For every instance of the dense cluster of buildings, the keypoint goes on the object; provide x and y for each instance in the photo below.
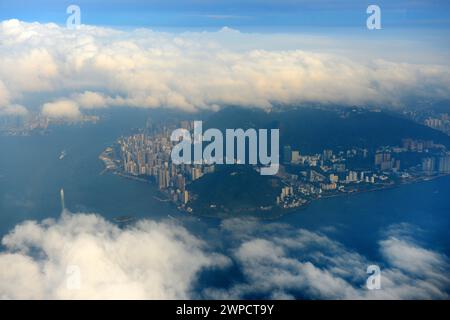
(440, 122)
(433, 165)
(431, 118)
(357, 169)
(21, 125)
(36, 123)
(311, 176)
(304, 177)
(149, 155)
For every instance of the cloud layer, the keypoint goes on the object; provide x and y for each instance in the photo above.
(97, 67)
(148, 261)
(281, 262)
(161, 260)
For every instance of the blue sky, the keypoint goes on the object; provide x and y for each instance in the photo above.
(251, 14)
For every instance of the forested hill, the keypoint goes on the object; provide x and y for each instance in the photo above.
(312, 130)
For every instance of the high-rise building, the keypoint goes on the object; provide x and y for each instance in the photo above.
(352, 176)
(397, 165)
(334, 178)
(327, 155)
(378, 158)
(181, 183)
(433, 123)
(196, 173)
(428, 165)
(287, 154)
(166, 177)
(161, 179)
(295, 157)
(384, 160)
(444, 164)
(185, 196)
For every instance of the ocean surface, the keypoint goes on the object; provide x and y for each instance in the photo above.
(31, 176)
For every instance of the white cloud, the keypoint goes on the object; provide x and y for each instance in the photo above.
(91, 100)
(410, 257)
(161, 260)
(61, 109)
(6, 108)
(14, 110)
(283, 262)
(147, 261)
(4, 95)
(99, 67)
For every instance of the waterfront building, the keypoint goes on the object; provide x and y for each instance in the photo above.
(428, 165)
(444, 164)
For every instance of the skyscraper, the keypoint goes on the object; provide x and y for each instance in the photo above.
(444, 164)
(287, 154)
(327, 154)
(295, 156)
(428, 165)
(185, 197)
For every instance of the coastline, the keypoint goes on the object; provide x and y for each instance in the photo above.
(277, 212)
(392, 186)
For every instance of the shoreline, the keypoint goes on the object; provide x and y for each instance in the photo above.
(392, 186)
(310, 201)
(279, 212)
